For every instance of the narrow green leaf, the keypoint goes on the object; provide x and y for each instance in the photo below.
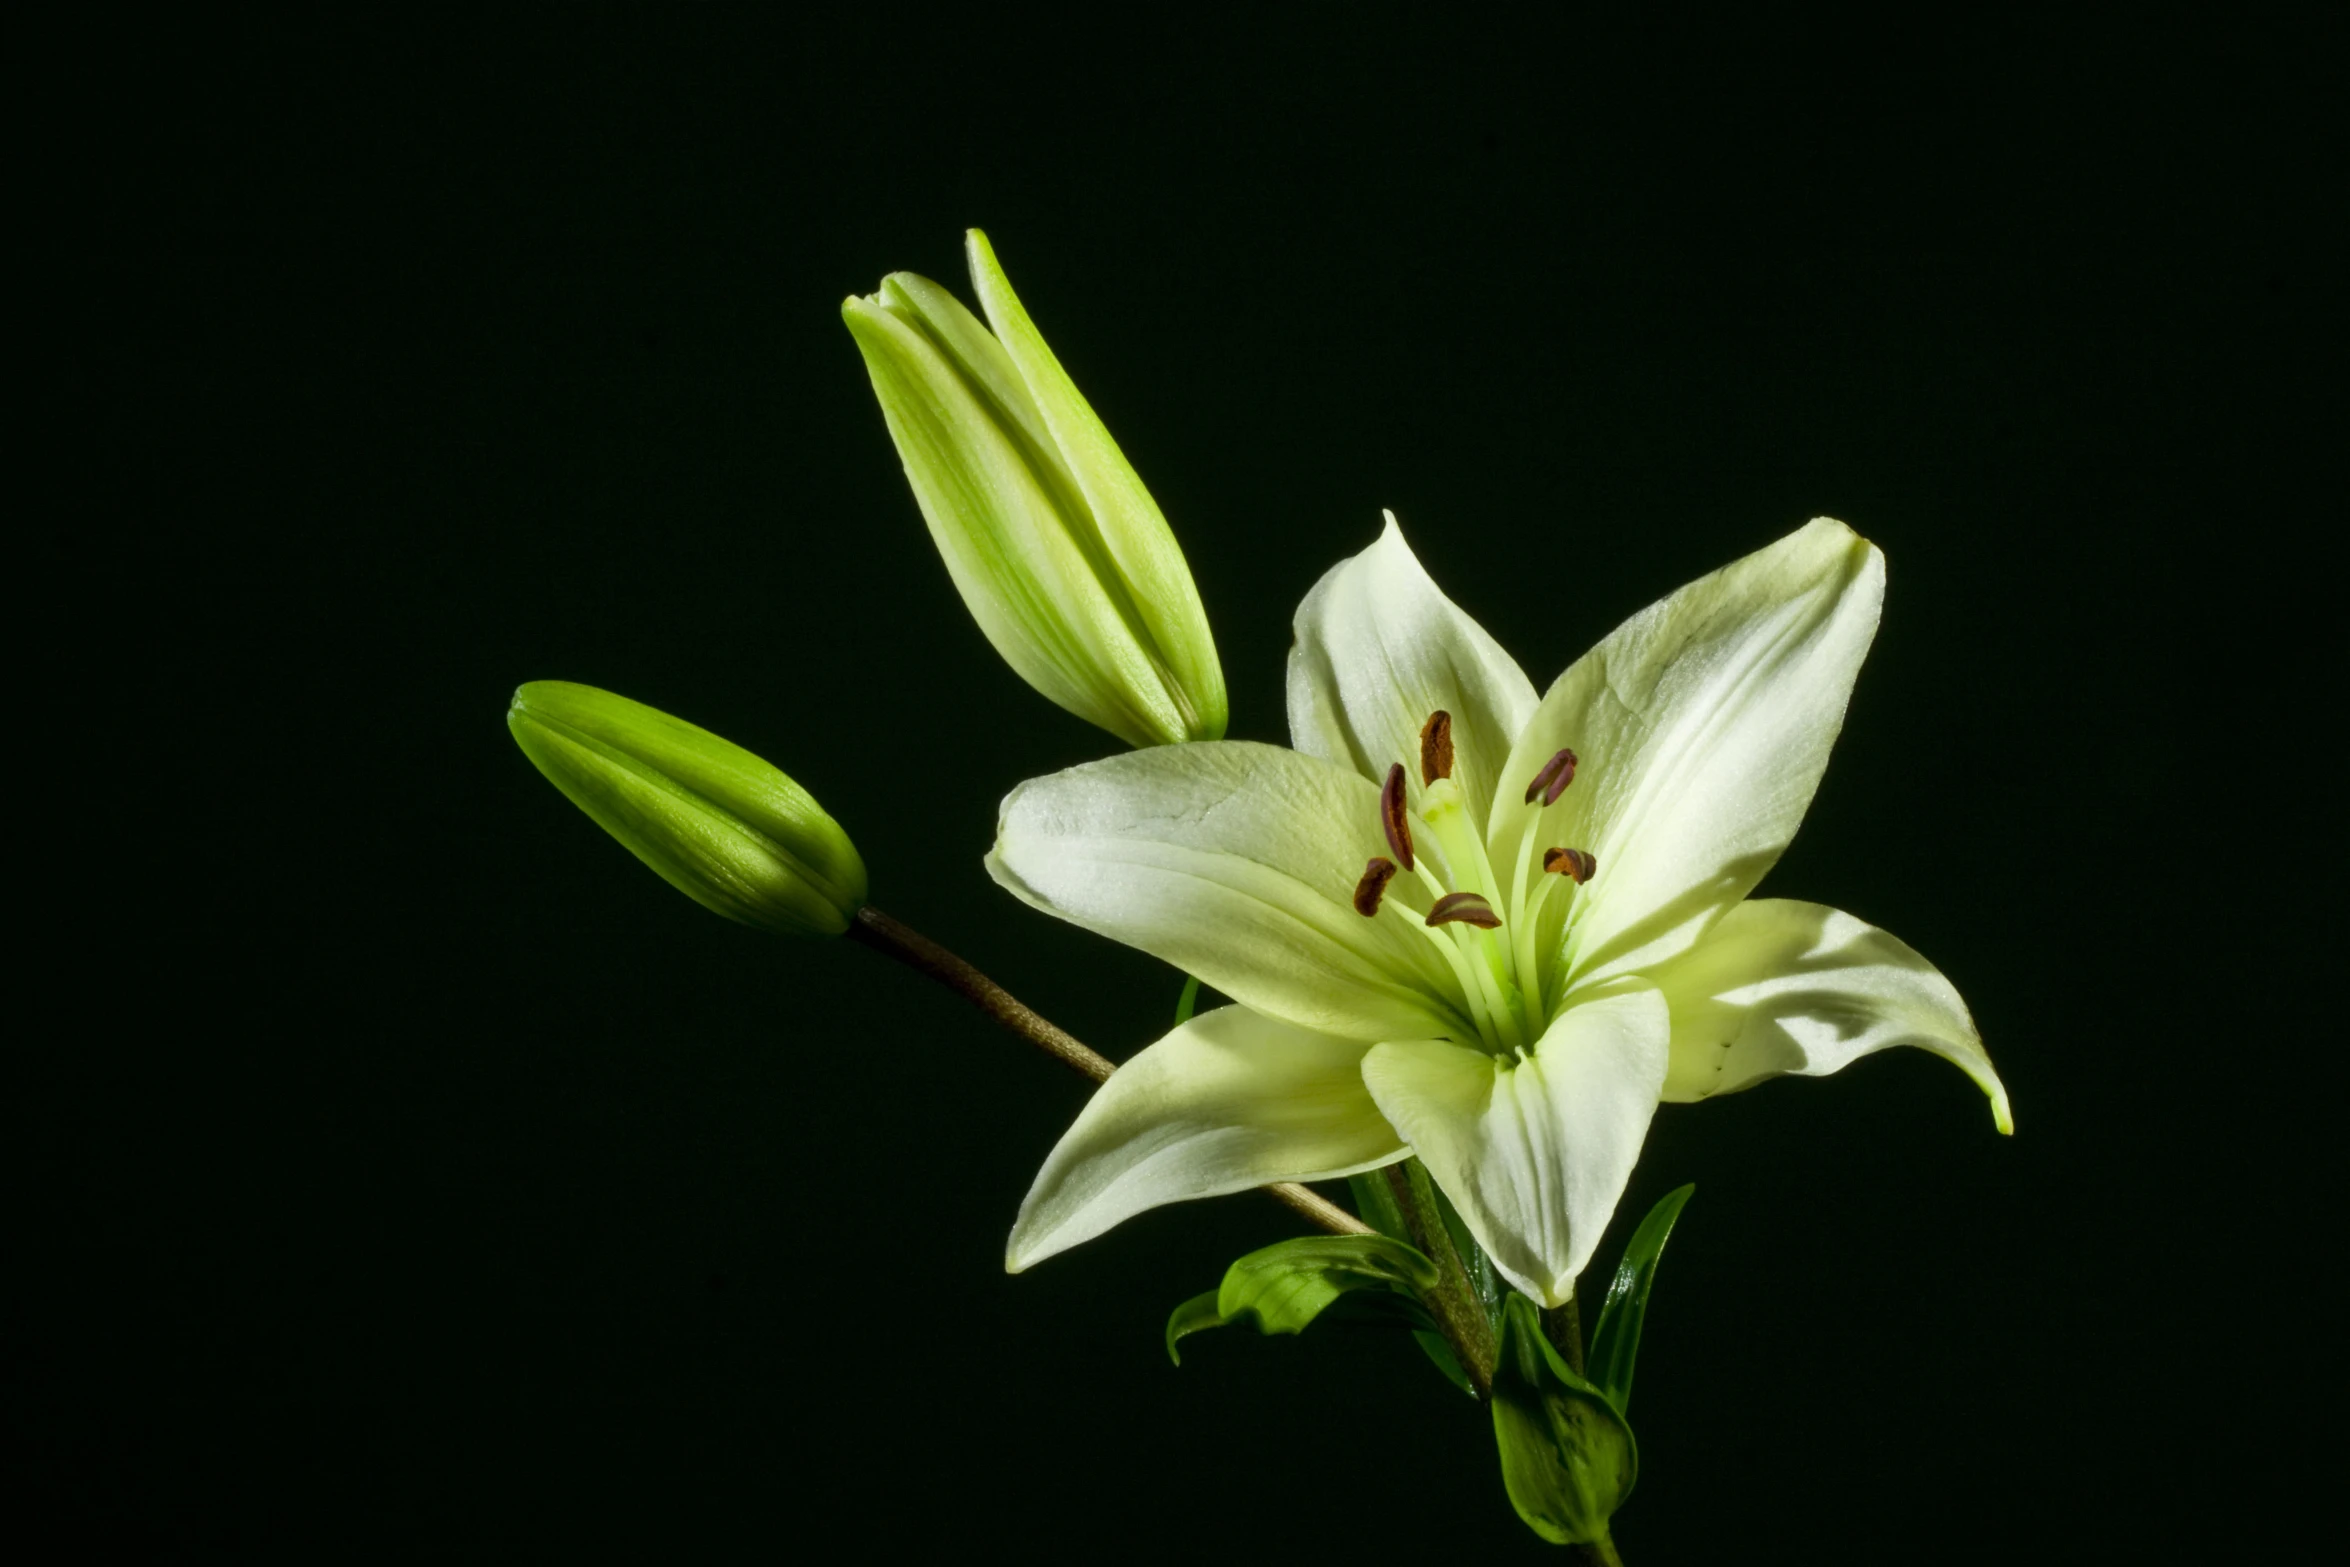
(1195, 1315)
(1616, 1342)
(1440, 1354)
(1568, 1458)
(1483, 1279)
(1189, 1001)
(1375, 1203)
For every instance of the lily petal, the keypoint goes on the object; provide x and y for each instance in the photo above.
(1229, 1100)
(1533, 1153)
(1780, 986)
(1379, 648)
(1235, 862)
(1703, 724)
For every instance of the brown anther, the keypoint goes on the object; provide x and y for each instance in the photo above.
(1436, 747)
(1552, 780)
(1373, 886)
(1576, 865)
(1464, 908)
(1392, 818)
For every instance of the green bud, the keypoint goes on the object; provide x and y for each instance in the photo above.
(718, 824)
(1059, 552)
(1568, 1458)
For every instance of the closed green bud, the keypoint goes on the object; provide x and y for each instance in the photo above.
(1058, 550)
(719, 824)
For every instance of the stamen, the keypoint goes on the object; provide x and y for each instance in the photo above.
(1577, 865)
(1436, 747)
(1391, 817)
(1373, 886)
(1464, 908)
(1552, 780)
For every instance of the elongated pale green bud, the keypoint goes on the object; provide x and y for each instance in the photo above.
(719, 824)
(1056, 547)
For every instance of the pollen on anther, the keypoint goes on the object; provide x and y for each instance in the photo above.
(1577, 865)
(1436, 747)
(1373, 886)
(1392, 819)
(1552, 780)
(1464, 908)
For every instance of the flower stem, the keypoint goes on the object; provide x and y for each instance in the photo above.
(1453, 1303)
(1563, 1326)
(872, 928)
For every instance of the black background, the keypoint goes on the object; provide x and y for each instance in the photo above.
(416, 1170)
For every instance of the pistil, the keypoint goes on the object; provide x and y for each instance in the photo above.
(1549, 783)
(1572, 866)
(1500, 977)
(1445, 814)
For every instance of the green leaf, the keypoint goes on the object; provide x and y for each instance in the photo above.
(1195, 1315)
(1568, 1458)
(1286, 1286)
(1616, 1342)
(1189, 1001)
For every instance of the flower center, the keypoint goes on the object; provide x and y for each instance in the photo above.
(1487, 935)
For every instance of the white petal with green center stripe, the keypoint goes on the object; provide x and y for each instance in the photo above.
(1379, 647)
(1533, 1150)
(1786, 987)
(1703, 724)
(1235, 862)
(1228, 1101)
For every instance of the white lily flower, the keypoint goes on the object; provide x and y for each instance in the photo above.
(1465, 923)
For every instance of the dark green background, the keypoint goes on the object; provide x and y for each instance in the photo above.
(417, 1170)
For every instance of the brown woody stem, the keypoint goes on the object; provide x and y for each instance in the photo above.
(872, 928)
